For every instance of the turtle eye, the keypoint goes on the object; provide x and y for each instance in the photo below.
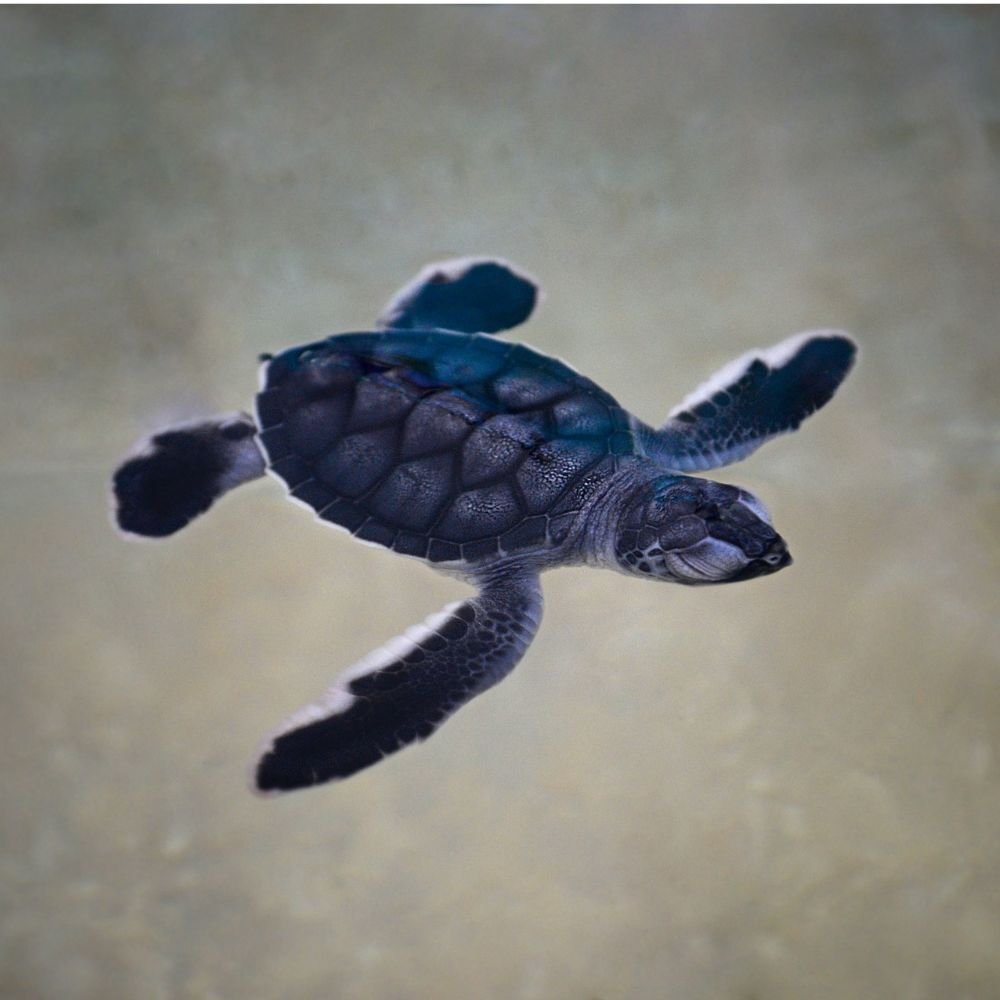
(750, 501)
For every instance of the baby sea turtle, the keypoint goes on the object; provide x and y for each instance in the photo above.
(491, 462)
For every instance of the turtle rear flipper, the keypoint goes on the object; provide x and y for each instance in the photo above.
(751, 400)
(467, 295)
(402, 692)
(180, 472)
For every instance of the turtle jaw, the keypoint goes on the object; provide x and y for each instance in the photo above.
(711, 561)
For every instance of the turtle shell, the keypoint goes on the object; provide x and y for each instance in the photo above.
(447, 446)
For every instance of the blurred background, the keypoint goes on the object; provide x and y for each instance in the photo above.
(781, 789)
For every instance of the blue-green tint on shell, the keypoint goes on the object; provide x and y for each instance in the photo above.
(438, 444)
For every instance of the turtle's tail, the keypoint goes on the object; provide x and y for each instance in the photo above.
(177, 474)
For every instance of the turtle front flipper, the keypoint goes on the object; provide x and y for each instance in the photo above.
(178, 473)
(751, 400)
(467, 295)
(402, 692)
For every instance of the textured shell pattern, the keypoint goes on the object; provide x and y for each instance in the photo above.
(446, 446)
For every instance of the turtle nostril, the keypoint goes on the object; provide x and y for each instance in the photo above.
(777, 554)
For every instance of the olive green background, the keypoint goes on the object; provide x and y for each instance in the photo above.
(776, 790)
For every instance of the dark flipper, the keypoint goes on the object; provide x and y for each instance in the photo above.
(468, 295)
(751, 400)
(402, 692)
(180, 472)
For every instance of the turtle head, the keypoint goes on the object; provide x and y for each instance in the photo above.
(695, 531)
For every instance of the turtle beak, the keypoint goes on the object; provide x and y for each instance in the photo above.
(776, 557)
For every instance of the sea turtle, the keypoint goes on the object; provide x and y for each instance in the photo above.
(490, 461)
